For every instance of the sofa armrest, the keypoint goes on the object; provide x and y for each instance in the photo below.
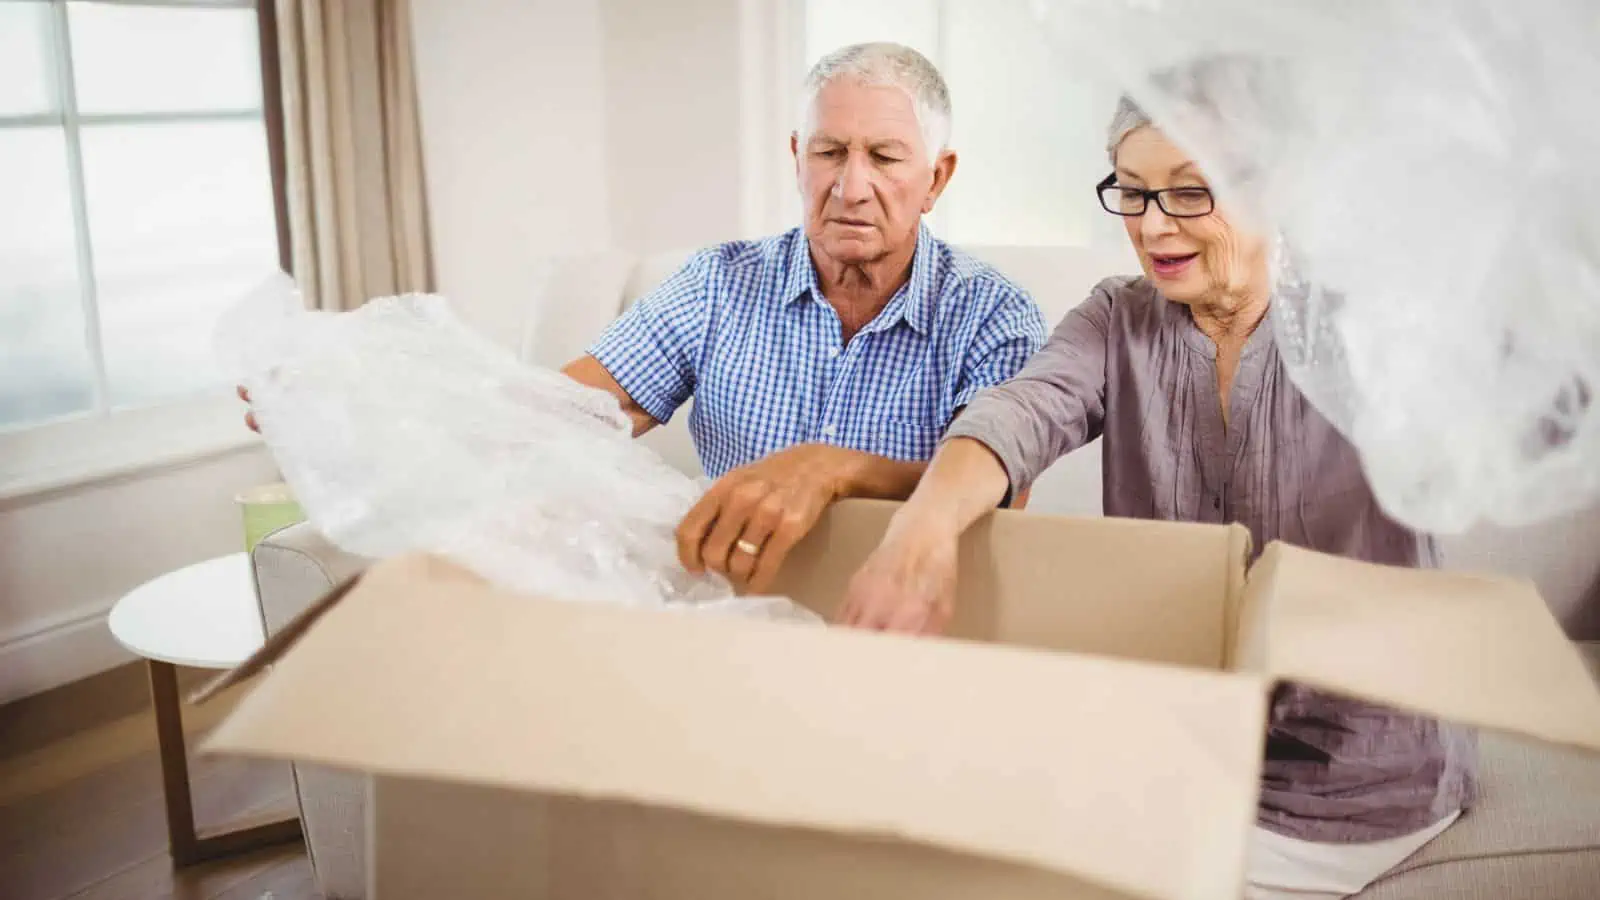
(294, 566)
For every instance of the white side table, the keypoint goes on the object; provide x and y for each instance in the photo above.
(205, 616)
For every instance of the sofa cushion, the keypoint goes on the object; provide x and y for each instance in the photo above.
(1058, 278)
(1534, 832)
(1537, 823)
(580, 296)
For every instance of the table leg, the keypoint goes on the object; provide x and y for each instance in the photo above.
(187, 845)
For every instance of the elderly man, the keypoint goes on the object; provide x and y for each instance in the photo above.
(826, 361)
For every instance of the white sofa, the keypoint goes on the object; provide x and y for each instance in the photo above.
(1536, 834)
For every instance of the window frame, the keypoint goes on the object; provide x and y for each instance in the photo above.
(64, 114)
(39, 460)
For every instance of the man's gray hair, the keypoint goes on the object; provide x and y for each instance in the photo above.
(894, 65)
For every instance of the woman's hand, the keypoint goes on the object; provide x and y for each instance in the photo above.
(908, 584)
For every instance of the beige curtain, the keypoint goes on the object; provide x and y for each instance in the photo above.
(353, 153)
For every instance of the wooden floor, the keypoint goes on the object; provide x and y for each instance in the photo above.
(81, 813)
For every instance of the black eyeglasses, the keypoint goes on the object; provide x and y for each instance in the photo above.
(1178, 202)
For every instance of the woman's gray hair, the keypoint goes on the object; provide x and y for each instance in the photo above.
(1238, 101)
(1128, 118)
(894, 65)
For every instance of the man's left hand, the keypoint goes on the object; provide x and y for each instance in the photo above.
(752, 517)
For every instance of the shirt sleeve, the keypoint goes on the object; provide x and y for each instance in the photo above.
(1009, 335)
(654, 348)
(1055, 405)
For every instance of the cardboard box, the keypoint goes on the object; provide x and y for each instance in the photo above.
(1094, 730)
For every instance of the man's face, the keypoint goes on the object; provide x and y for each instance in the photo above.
(864, 173)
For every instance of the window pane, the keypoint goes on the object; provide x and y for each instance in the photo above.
(24, 58)
(164, 59)
(44, 360)
(182, 224)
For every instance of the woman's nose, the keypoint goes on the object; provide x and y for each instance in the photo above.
(1155, 221)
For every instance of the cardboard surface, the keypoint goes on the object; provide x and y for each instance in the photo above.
(567, 749)
(1154, 591)
(1032, 757)
(566, 848)
(1470, 648)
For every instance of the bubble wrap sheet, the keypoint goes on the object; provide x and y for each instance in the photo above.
(1426, 169)
(400, 429)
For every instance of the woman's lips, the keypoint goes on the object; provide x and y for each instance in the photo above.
(1171, 266)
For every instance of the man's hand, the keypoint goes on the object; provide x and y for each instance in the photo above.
(752, 517)
(908, 584)
(249, 417)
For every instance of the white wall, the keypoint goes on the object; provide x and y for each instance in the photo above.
(673, 122)
(553, 126)
(67, 555)
(513, 113)
(559, 126)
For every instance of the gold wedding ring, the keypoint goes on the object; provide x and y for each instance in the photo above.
(747, 547)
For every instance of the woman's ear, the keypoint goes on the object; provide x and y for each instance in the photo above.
(943, 169)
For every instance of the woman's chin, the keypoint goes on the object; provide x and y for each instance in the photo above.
(1181, 289)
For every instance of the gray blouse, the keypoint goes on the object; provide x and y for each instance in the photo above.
(1131, 367)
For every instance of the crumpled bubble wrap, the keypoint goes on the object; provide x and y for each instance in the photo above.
(398, 429)
(1425, 168)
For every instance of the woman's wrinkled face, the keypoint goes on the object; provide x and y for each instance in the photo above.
(1190, 260)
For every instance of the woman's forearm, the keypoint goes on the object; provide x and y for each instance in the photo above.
(964, 481)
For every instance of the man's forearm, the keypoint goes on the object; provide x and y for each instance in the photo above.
(587, 371)
(880, 478)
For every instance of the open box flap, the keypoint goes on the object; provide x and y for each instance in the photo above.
(1474, 649)
(1141, 778)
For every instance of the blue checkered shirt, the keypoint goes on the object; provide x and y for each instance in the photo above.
(744, 330)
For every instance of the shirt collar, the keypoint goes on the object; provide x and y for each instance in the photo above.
(801, 281)
(914, 303)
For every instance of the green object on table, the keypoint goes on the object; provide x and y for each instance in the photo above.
(266, 509)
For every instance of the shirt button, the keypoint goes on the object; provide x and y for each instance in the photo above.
(833, 352)
(829, 430)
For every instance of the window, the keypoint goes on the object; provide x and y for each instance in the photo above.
(1029, 133)
(137, 199)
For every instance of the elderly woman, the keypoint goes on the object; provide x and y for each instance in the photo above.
(1177, 370)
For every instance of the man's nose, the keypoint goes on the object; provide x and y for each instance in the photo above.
(854, 184)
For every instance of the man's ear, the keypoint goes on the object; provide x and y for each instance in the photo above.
(794, 151)
(944, 168)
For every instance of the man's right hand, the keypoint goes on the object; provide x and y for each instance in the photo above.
(908, 584)
(249, 417)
